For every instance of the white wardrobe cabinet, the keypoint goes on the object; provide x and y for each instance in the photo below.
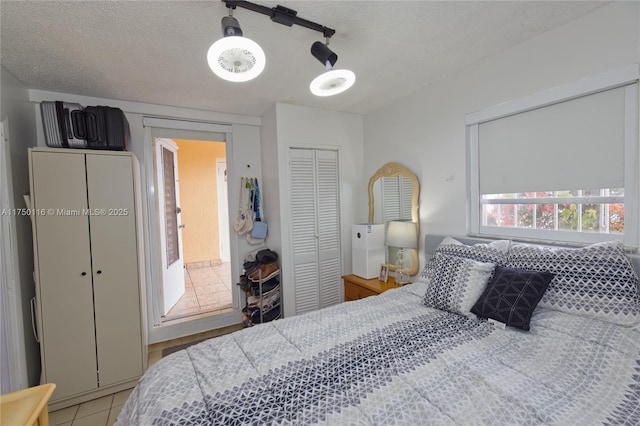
(87, 270)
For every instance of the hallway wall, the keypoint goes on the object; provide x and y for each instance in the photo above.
(199, 198)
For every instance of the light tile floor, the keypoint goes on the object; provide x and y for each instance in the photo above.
(98, 412)
(207, 289)
(104, 411)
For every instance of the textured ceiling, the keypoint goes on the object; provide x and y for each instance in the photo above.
(155, 51)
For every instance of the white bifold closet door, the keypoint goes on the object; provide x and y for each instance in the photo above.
(315, 211)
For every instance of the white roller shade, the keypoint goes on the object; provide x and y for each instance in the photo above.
(575, 144)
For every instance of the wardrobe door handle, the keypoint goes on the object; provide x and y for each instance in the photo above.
(99, 272)
(83, 274)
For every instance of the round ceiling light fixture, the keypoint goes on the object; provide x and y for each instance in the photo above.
(333, 81)
(234, 57)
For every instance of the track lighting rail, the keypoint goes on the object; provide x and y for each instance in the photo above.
(281, 15)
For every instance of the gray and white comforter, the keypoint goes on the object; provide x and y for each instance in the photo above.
(391, 360)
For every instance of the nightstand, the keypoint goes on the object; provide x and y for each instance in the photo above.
(358, 288)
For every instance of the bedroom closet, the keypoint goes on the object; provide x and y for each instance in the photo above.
(314, 196)
(86, 250)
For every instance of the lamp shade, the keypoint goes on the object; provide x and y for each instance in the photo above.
(401, 234)
(332, 82)
(236, 58)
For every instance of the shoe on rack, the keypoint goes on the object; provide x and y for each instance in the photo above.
(266, 256)
(250, 266)
(253, 301)
(244, 283)
(267, 286)
(265, 302)
(265, 272)
(267, 316)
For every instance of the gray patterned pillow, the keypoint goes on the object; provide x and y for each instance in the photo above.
(457, 283)
(597, 281)
(493, 252)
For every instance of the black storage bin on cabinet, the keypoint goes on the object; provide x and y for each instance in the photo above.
(63, 124)
(70, 125)
(107, 128)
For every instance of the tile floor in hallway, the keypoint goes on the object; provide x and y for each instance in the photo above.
(104, 411)
(207, 288)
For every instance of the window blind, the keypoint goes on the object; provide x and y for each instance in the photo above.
(575, 144)
(170, 206)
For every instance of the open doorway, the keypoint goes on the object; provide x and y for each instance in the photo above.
(194, 228)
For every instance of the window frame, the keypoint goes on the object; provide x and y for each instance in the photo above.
(627, 76)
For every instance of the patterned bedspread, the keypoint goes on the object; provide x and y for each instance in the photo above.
(391, 360)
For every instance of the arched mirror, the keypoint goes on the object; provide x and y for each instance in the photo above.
(393, 195)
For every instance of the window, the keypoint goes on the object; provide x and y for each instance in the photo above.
(559, 165)
(598, 210)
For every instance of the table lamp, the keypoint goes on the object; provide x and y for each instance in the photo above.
(403, 235)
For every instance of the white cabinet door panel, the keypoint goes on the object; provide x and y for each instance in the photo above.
(64, 268)
(115, 267)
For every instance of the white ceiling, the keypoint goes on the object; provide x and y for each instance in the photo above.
(155, 51)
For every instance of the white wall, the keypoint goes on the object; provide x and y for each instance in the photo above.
(294, 126)
(270, 187)
(16, 108)
(426, 131)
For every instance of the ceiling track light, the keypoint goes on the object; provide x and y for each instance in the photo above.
(237, 58)
(332, 81)
(234, 57)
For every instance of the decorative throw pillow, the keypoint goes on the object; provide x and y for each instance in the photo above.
(457, 283)
(493, 252)
(512, 295)
(597, 280)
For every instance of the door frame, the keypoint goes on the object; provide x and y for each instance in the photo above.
(197, 130)
(11, 304)
(223, 211)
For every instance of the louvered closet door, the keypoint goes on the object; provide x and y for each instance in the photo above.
(328, 194)
(315, 212)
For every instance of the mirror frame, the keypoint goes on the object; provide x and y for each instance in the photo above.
(392, 170)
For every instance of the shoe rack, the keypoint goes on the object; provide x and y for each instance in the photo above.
(261, 284)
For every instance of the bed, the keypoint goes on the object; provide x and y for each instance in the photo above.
(397, 359)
